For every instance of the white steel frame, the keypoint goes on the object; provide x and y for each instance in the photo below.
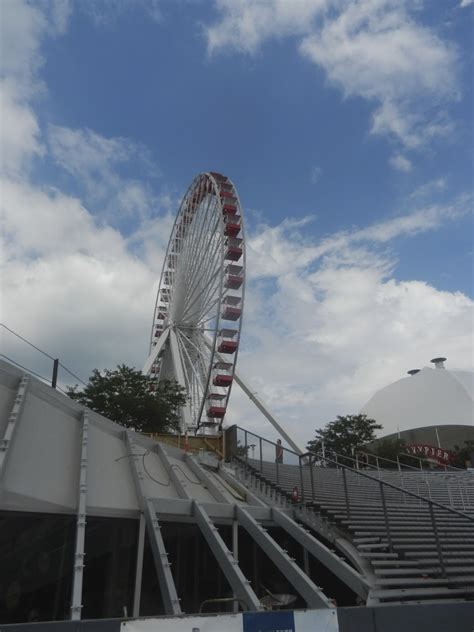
(190, 303)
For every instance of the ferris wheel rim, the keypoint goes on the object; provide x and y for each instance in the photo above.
(213, 188)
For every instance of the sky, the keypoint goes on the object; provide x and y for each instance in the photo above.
(347, 128)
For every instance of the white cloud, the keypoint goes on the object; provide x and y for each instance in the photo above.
(316, 173)
(106, 12)
(466, 3)
(245, 24)
(401, 163)
(337, 326)
(325, 325)
(19, 133)
(271, 248)
(373, 49)
(95, 162)
(429, 188)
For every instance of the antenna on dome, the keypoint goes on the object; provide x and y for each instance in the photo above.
(438, 362)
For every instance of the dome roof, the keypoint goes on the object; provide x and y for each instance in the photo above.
(428, 397)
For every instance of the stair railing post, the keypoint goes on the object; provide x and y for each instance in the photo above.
(261, 455)
(312, 479)
(277, 471)
(346, 493)
(398, 463)
(301, 478)
(438, 542)
(54, 379)
(246, 448)
(385, 515)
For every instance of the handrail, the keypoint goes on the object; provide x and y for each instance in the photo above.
(305, 455)
(305, 459)
(400, 489)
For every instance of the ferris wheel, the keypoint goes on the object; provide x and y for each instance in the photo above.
(198, 311)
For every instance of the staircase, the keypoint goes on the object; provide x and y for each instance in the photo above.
(416, 549)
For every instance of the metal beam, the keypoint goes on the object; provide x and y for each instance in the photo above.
(313, 596)
(160, 556)
(155, 352)
(179, 373)
(246, 494)
(229, 566)
(261, 407)
(212, 485)
(12, 423)
(180, 486)
(227, 563)
(341, 569)
(79, 553)
(137, 593)
(264, 410)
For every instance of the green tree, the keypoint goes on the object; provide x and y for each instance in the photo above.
(125, 396)
(461, 455)
(345, 435)
(389, 449)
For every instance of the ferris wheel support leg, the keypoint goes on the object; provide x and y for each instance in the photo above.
(186, 417)
(268, 415)
(155, 351)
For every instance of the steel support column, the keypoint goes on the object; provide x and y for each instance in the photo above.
(178, 371)
(160, 556)
(13, 420)
(155, 352)
(79, 553)
(264, 410)
(313, 596)
(341, 569)
(227, 563)
(137, 593)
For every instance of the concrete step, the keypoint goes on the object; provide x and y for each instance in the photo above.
(464, 580)
(428, 591)
(417, 571)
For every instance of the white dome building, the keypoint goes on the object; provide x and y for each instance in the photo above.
(432, 407)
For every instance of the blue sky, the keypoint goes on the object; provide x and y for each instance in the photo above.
(347, 129)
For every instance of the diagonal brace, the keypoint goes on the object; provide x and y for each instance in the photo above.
(160, 556)
(341, 569)
(313, 596)
(229, 566)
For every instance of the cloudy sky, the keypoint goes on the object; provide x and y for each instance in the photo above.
(346, 126)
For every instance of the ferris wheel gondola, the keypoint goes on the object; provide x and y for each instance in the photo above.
(197, 318)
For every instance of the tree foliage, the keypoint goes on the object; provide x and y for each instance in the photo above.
(462, 455)
(124, 396)
(390, 449)
(345, 435)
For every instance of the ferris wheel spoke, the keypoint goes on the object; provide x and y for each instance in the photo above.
(201, 319)
(200, 269)
(182, 341)
(195, 388)
(198, 234)
(204, 293)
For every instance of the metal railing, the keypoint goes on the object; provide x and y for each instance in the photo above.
(307, 464)
(36, 357)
